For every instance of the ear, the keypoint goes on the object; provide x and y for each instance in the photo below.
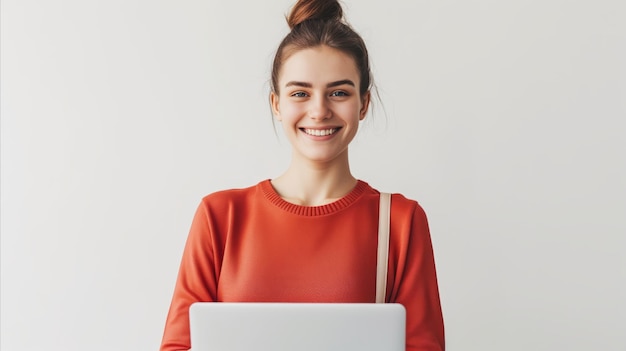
(365, 103)
(275, 105)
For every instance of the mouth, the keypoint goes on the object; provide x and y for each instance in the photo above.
(320, 132)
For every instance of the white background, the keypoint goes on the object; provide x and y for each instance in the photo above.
(506, 120)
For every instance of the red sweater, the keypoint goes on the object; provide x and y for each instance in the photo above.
(249, 245)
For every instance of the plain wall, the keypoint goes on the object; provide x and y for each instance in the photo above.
(504, 119)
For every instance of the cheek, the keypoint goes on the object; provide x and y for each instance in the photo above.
(351, 110)
(291, 110)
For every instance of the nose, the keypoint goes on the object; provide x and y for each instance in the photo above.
(319, 109)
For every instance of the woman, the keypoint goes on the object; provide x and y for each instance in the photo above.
(310, 235)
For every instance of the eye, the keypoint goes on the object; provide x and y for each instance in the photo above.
(299, 94)
(339, 93)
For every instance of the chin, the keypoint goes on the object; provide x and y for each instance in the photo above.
(320, 157)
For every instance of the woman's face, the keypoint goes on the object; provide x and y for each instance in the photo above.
(319, 104)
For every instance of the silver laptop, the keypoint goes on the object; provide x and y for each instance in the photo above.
(226, 326)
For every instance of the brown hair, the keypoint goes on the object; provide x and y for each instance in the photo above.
(320, 22)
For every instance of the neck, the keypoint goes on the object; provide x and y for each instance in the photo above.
(310, 183)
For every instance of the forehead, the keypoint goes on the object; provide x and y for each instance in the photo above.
(320, 64)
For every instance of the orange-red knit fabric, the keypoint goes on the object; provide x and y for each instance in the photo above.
(249, 245)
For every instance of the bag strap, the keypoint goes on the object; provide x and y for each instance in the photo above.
(383, 246)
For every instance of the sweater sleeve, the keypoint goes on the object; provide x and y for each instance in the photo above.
(416, 288)
(196, 282)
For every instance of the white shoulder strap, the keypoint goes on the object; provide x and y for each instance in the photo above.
(383, 246)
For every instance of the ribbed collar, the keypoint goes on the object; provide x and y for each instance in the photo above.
(270, 194)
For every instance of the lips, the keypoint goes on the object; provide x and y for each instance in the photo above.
(320, 132)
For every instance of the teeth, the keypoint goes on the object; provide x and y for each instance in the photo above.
(320, 132)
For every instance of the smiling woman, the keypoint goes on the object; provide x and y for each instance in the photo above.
(310, 234)
(319, 106)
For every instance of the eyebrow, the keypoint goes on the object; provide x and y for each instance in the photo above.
(329, 85)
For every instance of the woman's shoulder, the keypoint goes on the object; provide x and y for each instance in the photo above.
(403, 204)
(231, 195)
(408, 213)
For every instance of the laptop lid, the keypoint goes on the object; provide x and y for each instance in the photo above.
(297, 326)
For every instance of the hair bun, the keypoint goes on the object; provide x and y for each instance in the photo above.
(305, 10)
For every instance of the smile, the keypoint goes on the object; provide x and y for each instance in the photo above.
(320, 132)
